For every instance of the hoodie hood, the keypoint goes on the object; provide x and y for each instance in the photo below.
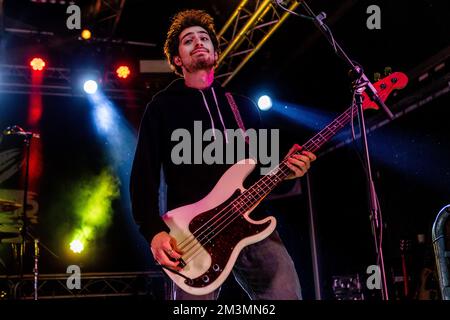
(178, 86)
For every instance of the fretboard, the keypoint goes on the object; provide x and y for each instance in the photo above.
(261, 188)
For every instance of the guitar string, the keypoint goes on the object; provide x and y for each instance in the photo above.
(239, 214)
(201, 242)
(234, 216)
(383, 93)
(240, 199)
(280, 169)
(221, 215)
(233, 206)
(226, 215)
(244, 195)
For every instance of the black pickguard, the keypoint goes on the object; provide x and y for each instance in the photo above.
(220, 245)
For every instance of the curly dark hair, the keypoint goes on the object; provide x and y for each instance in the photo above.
(182, 20)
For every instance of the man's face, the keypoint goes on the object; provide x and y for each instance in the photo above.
(196, 50)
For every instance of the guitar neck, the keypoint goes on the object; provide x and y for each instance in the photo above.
(316, 142)
(260, 189)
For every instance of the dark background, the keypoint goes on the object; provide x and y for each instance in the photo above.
(410, 155)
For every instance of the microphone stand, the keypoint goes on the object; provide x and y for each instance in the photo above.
(24, 231)
(362, 84)
(356, 69)
(375, 213)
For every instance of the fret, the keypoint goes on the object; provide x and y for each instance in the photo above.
(321, 136)
(240, 206)
(263, 181)
(314, 143)
(329, 129)
(339, 123)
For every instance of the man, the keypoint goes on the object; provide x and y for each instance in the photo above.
(265, 270)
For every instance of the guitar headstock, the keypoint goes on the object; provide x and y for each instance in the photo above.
(384, 87)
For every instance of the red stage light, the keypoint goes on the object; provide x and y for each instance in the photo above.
(37, 64)
(123, 72)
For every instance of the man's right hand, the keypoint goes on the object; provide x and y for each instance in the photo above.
(165, 251)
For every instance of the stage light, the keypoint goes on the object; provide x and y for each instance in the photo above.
(123, 72)
(76, 246)
(37, 64)
(264, 103)
(94, 207)
(86, 34)
(90, 86)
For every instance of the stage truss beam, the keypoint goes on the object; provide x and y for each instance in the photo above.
(16, 79)
(152, 284)
(246, 31)
(107, 14)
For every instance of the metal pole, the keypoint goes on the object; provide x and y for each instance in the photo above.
(313, 241)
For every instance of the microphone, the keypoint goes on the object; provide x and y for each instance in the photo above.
(18, 131)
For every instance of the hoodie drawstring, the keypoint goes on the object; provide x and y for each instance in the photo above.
(210, 116)
(220, 115)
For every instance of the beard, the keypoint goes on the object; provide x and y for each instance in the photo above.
(200, 64)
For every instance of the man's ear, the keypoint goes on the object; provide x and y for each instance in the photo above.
(177, 61)
(216, 56)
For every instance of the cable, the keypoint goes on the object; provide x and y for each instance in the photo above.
(279, 3)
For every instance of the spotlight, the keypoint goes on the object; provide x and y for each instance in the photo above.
(264, 103)
(104, 117)
(37, 64)
(90, 86)
(86, 34)
(76, 246)
(123, 72)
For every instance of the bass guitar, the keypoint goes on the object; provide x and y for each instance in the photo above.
(212, 232)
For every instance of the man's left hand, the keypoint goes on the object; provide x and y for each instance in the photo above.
(299, 163)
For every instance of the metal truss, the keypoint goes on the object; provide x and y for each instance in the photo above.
(107, 14)
(248, 28)
(17, 79)
(103, 16)
(152, 285)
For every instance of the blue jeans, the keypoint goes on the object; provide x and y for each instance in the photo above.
(265, 271)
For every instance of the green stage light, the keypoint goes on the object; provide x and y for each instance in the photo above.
(95, 206)
(76, 246)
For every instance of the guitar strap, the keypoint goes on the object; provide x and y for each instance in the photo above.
(237, 115)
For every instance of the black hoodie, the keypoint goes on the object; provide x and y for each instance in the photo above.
(173, 108)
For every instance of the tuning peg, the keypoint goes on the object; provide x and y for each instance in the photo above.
(376, 76)
(387, 71)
